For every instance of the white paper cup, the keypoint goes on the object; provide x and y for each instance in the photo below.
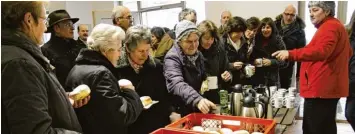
(259, 62)
(212, 82)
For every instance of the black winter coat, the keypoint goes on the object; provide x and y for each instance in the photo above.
(61, 54)
(294, 37)
(268, 75)
(216, 62)
(352, 67)
(81, 44)
(110, 109)
(183, 79)
(236, 56)
(32, 100)
(149, 81)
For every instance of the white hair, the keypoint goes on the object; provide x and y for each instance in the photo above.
(117, 12)
(104, 37)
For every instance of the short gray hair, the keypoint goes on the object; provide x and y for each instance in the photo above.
(137, 34)
(117, 12)
(104, 36)
(325, 5)
(186, 12)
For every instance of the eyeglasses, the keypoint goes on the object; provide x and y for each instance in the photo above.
(128, 17)
(290, 14)
(68, 24)
(45, 20)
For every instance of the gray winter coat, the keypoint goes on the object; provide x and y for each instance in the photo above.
(183, 79)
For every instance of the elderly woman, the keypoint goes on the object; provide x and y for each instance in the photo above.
(184, 71)
(324, 70)
(161, 42)
(236, 48)
(216, 61)
(267, 41)
(146, 74)
(111, 108)
(32, 99)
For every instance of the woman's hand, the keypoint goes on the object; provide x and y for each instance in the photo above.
(266, 62)
(238, 65)
(226, 76)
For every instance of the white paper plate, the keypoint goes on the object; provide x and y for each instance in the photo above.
(153, 102)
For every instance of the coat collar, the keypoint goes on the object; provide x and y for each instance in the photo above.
(19, 39)
(323, 21)
(91, 57)
(184, 60)
(62, 43)
(212, 51)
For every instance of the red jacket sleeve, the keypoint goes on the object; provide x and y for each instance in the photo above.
(321, 46)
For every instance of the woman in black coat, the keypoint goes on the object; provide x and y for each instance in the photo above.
(267, 41)
(146, 74)
(350, 101)
(111, 108)
(215, 58)
(236, 48)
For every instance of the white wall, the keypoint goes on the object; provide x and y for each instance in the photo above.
(84, 13)
(245, 9)
(81, 9)
(199, 6)
(55, 5)
(205, 9)
(102, 5)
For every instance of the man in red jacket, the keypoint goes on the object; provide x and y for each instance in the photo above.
(324, 69)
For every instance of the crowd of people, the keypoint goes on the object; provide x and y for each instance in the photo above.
(168, 65)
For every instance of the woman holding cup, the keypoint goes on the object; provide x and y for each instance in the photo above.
(236, 48)
(216, 61)
(267, 41)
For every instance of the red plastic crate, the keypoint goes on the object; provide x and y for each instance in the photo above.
(265, 126)
(171, 131)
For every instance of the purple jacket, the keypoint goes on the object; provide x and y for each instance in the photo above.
(183, 79)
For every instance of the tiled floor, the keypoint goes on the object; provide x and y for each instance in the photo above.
(296, 128)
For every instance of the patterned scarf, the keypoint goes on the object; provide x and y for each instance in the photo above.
(135, 66)
(193, 59)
